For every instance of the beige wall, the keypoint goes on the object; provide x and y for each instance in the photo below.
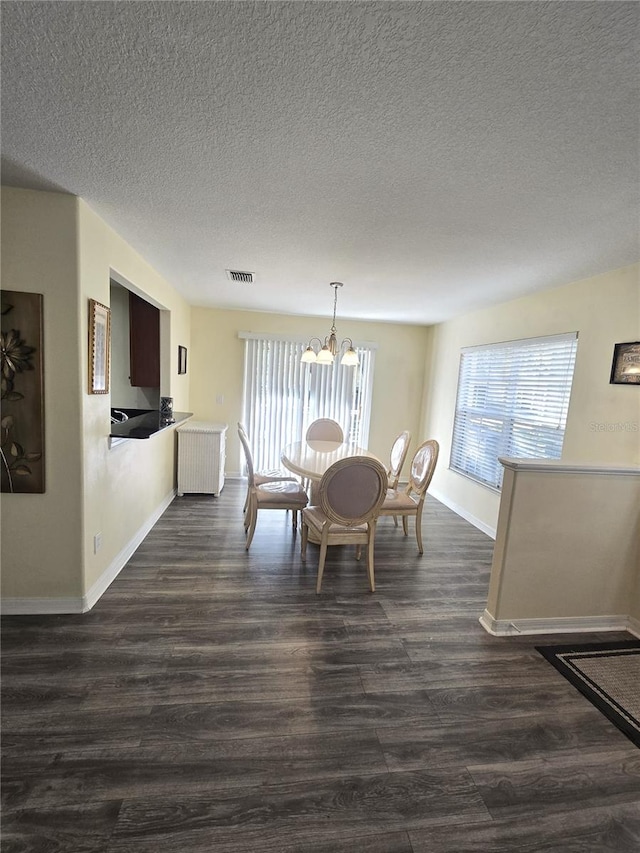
(54, 244)
(217, 359)
(41, 540)
(603, 420)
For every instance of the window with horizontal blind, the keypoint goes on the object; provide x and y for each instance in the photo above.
(282, 396)
(512, 400)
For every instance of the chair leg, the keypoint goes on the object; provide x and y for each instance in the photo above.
(249, 509)
(323, 555)
(303, 540)
(370, 570)
(395, 520)
(358, 551)
(251, 531)
(405, 524)
(419, 529)
(251, 518)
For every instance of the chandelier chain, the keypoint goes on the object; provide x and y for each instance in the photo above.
(335, 304)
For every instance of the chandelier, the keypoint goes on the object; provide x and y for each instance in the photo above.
(328, 350)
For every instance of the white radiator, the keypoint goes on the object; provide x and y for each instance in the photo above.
(201, 457)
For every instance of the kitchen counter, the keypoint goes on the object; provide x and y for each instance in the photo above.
(146, 424)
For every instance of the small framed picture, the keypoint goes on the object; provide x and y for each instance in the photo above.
(182, 359)
(99, 346)
(625, 369)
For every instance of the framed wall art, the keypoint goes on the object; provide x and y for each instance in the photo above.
(625, 369)
(99, 346)
(182, 359)
(22, 457)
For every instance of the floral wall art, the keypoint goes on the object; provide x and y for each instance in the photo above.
(22, 415)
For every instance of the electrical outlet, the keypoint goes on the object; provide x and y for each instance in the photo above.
(97, 542)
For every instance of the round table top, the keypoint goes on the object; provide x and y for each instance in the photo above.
(311, 458)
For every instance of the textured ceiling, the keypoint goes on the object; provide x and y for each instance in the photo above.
(436, 157)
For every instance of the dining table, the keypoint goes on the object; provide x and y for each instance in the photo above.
(310, 459)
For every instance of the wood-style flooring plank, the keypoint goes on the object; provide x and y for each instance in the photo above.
(184, 769)
(323, 713)
(73, 829)
(612, 829)
(561, 782)
(397, 842)
(539, 735)
(310, 811)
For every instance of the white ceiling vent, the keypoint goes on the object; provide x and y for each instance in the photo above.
(241, 275)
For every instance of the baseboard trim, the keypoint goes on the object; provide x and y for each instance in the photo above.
(39, 606)
(45, 606)
(634, 627)
(463, 513)
(556, 625)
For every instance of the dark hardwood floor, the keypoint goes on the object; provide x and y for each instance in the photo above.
(212, 702)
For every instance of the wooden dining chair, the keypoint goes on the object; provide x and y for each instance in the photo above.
(399, 450)
(272, 475)
(350, 495)
(280, 494)
(410, 501)
(325, 429)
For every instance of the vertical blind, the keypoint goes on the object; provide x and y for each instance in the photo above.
(282, 396)
(512, 401)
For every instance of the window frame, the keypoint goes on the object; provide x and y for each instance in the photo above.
(510, 381)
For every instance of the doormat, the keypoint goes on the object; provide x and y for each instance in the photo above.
(608, 674)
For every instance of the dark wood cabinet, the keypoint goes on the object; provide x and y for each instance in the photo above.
(144, 343)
